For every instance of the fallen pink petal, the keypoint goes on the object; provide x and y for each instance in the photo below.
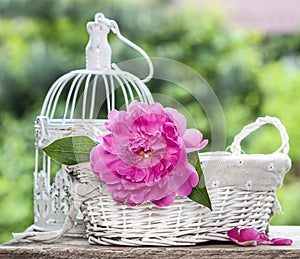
(281, 241)
(251, 237)
(244, 237)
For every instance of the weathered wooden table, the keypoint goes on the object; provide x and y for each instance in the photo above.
(79, 248)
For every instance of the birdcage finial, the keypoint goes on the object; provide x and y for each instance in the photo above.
(98, 51)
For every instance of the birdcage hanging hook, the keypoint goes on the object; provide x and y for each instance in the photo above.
(113, 26)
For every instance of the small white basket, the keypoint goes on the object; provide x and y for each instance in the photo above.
(241, 188)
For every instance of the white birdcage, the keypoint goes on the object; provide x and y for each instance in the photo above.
(79, 97)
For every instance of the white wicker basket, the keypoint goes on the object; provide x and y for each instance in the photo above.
(241, 187)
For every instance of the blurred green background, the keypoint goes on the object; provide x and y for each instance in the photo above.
(252, 75)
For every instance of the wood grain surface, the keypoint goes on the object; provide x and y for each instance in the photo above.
(68, 247)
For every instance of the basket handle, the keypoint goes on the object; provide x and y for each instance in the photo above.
(285, 147)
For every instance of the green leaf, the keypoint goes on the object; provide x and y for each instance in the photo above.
(70, 150)
(199, 193)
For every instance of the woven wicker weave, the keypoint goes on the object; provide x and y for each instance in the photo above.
(242, 203)
(183, 223)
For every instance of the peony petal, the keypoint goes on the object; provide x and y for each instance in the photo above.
(135, 110)
(178, 118)
(251, 237)
(194, 179)
(116, 194)
(179, 179)
(203, 144)
(120, 128)
(157, 190)
(193, 140)
(138, 175)
(262, 238)
(156, 108)
(138, 107)
(107, 176)
(112, 115)
(107, 144)
(244, 237)
(281, 241)
(186, 188)
(233, 234)
(165, 201)
(247, 234)
(138, 197)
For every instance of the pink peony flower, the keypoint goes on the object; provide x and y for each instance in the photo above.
(251, 237)
(144, 158)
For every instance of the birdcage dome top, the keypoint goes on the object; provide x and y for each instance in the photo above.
(86, 96)
(90, 94)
